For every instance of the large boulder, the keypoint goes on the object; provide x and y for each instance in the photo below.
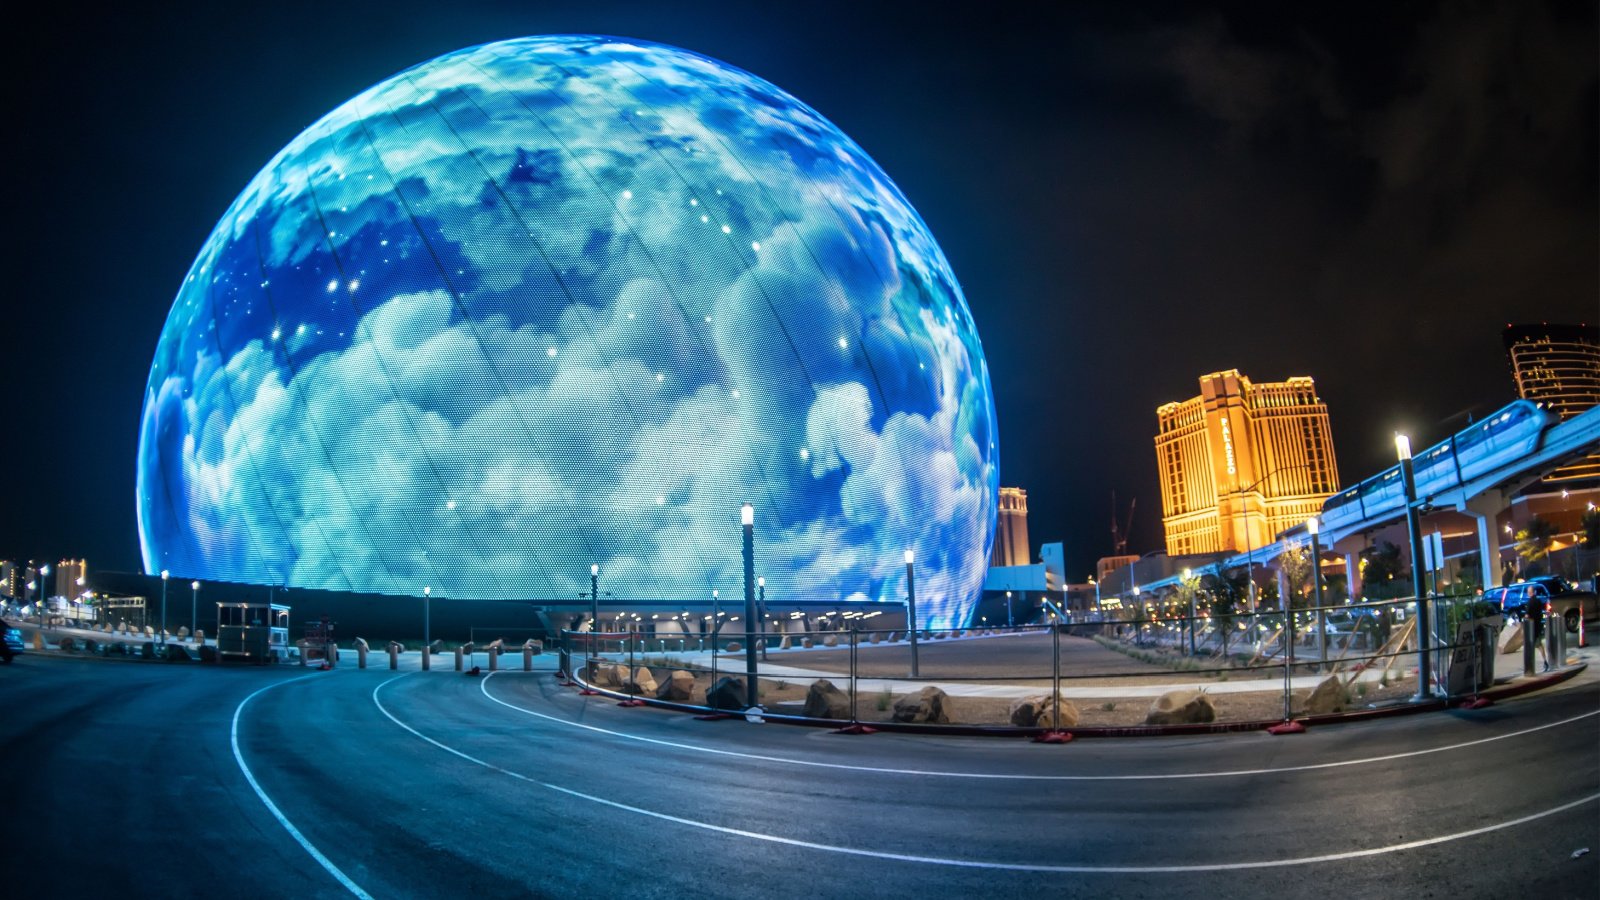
(784, 644)
(678, 688)
(1182, 708)
(875, 637)
(642, 681)
(1039, 712)
(1328, 697)
(830, 640)
(824, 701)
(1513, 641)
(727, 693)
(806, 644)
(930, 705)
(735, 646)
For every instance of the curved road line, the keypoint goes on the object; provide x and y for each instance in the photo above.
(1013, 776)
(981, 864)
(283, 820)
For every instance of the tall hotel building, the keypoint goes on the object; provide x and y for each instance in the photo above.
(1242, 462)
(1558, 367)
(1011, 530)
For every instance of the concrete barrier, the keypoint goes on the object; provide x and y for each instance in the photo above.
(361, 653)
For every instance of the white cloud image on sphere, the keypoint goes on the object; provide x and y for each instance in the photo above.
(568, 300)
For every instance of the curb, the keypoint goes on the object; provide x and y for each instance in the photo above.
(1528, 686)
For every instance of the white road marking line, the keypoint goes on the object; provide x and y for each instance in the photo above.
(283, 820)
(1013, 776)
(982, 864)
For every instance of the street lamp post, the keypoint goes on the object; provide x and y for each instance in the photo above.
(594, 606)
(1010, 620)
(164, 576)
(427, 595)
(1316, 593)
(911, 605)
(194, 607)
(747, 521)
(44, 593)
(1408, 481)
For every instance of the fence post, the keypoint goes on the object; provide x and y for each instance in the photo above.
(1055, 678)
(853, 634)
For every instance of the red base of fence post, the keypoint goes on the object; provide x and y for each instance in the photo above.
(586, 692)
(857, 728)
(1287, 727)
(1475, 703)
(632, 701)
(1053, 737)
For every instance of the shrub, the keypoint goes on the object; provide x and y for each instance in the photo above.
(885, 697)
(1109, 706)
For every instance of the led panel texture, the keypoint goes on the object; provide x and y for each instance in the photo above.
(568, 300)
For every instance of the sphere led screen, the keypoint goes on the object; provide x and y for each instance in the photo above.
(559, 301)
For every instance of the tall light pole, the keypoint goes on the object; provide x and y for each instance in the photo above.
(594, 604)
(911, 605)
(1408, 481)
(44, 593)
(747, 521)
(194, 607)
(1010, 620)
(164, 576)
(427, 594)
(1097, 613)
(1316, 592)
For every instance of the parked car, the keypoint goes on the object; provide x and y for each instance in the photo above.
(1562, 599)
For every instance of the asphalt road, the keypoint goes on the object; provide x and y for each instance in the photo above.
(122, 779)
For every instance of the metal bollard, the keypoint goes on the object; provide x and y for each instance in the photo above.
(1527, 645)
(527, 657)
(394, 655)
(1555, 642)
(361, 654)
(494, 659)
(458, 659)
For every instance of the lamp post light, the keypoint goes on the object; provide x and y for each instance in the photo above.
(911, 605)
(164, 576)
(1097, 613)
(44, 593)
(1010, 620)
(1408, 481)
(194, 607)
(1316, 593)
(594, 604)
(747, 522)
(427, 645)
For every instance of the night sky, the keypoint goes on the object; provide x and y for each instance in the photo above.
(1130, 198)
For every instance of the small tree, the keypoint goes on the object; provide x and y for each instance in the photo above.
(1184, 594)
(1534, 542)
(1297, 569)
(1381, 570)
(1230, 588)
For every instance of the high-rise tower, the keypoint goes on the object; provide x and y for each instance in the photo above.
(1241, 462)
(1558, 367)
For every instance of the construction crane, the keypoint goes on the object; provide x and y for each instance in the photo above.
(1119, 536)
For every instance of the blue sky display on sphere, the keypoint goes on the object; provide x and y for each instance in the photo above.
(568, 300)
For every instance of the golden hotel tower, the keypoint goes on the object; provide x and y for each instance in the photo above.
(1242, 462)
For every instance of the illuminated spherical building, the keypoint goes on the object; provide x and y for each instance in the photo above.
(569, 300)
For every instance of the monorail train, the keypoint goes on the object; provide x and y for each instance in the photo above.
(1513, 431)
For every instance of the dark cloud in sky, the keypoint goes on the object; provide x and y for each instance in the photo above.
(1131, 196)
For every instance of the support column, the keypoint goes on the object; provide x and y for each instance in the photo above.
(1485, 510)
(1352, 575)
